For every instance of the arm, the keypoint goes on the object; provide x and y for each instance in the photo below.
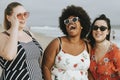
(90, 76)
(8, 45)
(117, 60)
(49, 59)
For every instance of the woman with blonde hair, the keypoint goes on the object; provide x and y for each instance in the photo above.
(19, 50)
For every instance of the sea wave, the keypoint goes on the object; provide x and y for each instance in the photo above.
(56, 32)
(47, 30)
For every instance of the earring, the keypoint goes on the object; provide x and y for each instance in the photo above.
(81, 27)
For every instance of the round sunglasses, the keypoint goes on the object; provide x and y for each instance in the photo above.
(74, 19)
(102, 28)
(25, 14)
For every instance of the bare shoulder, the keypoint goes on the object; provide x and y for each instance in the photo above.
(88, 46)
(31, 33)
(54, 43)
(53, 46)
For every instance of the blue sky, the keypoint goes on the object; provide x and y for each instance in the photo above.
(47, 12)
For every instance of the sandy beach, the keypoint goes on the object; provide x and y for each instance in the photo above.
(45, 40)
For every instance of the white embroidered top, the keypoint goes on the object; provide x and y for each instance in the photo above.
(70, 67)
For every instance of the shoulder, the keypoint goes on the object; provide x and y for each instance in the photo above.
(29, 33)
(54, 42)
(88, 46)
(53, 45)
(114, 50)
(115, 47)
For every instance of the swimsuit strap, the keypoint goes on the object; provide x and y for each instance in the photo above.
(5, 32)
(28, 33)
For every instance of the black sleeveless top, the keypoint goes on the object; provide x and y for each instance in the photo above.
(17, 68)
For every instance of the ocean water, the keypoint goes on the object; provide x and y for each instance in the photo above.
(47, 31)
(56, 32)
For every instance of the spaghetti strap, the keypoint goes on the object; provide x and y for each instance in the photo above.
(87, 46)
(28, 33)
(60, 43)
(5, 32)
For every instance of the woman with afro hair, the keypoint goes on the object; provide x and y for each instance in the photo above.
(67, 57)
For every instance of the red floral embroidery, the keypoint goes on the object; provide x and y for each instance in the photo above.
(60, 70)
(59, 58)
(75, 65)
(81, 72)
(82, 60)
(52, 69)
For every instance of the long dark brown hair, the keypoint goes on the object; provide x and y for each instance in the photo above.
(8, 11)
(107, 20)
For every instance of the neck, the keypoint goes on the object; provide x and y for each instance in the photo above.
(102, 44)
(74, 39)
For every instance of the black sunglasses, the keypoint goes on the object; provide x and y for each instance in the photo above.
(74, 19)
(102, 28)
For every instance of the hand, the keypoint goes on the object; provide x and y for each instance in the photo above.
(14, 21)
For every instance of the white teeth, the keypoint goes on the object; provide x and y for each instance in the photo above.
(72, 27)
(22, 22)
(98, 35)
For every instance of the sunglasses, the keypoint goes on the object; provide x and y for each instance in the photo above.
(102, 28)
(74, 19)
(25, 14)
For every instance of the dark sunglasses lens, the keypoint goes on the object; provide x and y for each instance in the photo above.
(102, 28)
(95, 27)
(74, 19)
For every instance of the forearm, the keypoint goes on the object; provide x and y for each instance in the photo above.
(46, 73)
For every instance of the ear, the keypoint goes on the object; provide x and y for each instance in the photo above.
(108, 32)
(8, 18)
(81, 27)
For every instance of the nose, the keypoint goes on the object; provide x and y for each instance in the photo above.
(71, 21)
(23, 17)
(98, 29)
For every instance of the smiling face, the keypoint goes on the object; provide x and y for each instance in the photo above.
(73, 26)
(98, 33)
(22, 15)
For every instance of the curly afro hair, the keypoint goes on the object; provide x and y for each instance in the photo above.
(77, 12)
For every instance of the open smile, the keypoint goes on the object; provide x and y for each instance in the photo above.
(72, 27)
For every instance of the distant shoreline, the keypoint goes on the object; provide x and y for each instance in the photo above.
(42, 39)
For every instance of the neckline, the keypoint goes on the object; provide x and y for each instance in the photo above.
(107, 53)
(61, 51)
(26, 42)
